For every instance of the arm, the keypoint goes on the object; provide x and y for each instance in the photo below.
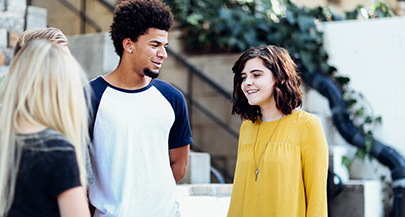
(90, 179)
(91, 207)
(315, 168)
(179, 161)
(73, 203)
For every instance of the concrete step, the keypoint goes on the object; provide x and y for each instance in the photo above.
(360, 198)
(204, 200)
(198, 171)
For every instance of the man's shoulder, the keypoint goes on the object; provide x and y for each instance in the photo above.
(97, 82)
(162, 83)
(167, 89)
(96, 87)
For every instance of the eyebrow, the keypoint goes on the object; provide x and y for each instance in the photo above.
(158, 42)
(254, 70)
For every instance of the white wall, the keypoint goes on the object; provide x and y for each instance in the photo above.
(372, 54)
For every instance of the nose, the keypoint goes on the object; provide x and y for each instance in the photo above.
(162, 53)
(248, 81)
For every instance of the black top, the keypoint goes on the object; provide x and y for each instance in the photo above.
(47, 168)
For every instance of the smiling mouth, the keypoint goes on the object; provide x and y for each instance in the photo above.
(251, 91)
(158, 64)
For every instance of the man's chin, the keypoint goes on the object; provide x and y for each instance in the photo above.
(151, 73)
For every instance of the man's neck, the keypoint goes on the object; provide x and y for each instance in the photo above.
(126, 79)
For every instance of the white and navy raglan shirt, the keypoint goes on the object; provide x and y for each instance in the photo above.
(132, 132)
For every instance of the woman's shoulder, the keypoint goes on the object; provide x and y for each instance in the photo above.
(248, 124)
(302, 119)
(46, 140)
(304, 116)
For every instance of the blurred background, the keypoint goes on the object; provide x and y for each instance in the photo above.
(350, 54)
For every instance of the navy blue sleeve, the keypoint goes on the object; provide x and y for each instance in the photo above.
(97, 88)
(180, 133)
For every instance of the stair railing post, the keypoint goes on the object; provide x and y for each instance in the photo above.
(190, 95)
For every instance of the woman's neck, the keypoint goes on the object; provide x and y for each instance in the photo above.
(271, 114)
(26, 127)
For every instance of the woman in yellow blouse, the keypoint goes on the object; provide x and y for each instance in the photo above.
(282, 162)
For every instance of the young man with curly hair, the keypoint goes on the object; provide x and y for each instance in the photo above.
(140, 132)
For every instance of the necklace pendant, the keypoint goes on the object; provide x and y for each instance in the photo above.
(256, 173)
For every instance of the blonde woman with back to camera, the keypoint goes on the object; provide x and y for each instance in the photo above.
(43, 117)
(51, 34)
(282, 161)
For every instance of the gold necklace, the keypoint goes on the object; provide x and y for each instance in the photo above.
(264, 149)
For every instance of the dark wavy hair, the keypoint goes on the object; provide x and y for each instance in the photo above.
(133, 18)
(287, 92)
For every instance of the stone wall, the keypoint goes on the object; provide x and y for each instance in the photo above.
(95, 52)
(15, 17)
(12, 24)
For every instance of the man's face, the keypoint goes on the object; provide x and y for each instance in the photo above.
(149, 51)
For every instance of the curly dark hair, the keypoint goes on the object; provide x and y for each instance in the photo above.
(133, 18)
(287, 92)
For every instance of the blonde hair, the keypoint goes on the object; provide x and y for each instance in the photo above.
(44, 86)
(51, 33)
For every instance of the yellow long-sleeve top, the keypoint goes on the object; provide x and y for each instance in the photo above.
(292, 173)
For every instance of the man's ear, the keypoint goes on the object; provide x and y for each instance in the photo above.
(127, 45)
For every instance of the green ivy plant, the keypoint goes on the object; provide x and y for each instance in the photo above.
(228, 26)
(364, 118)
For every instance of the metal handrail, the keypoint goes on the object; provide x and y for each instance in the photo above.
(211, 116)
(215, 168)
(195, 71)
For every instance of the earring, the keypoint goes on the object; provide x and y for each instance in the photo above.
(130, 51)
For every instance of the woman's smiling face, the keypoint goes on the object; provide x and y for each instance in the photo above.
(258, 84)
